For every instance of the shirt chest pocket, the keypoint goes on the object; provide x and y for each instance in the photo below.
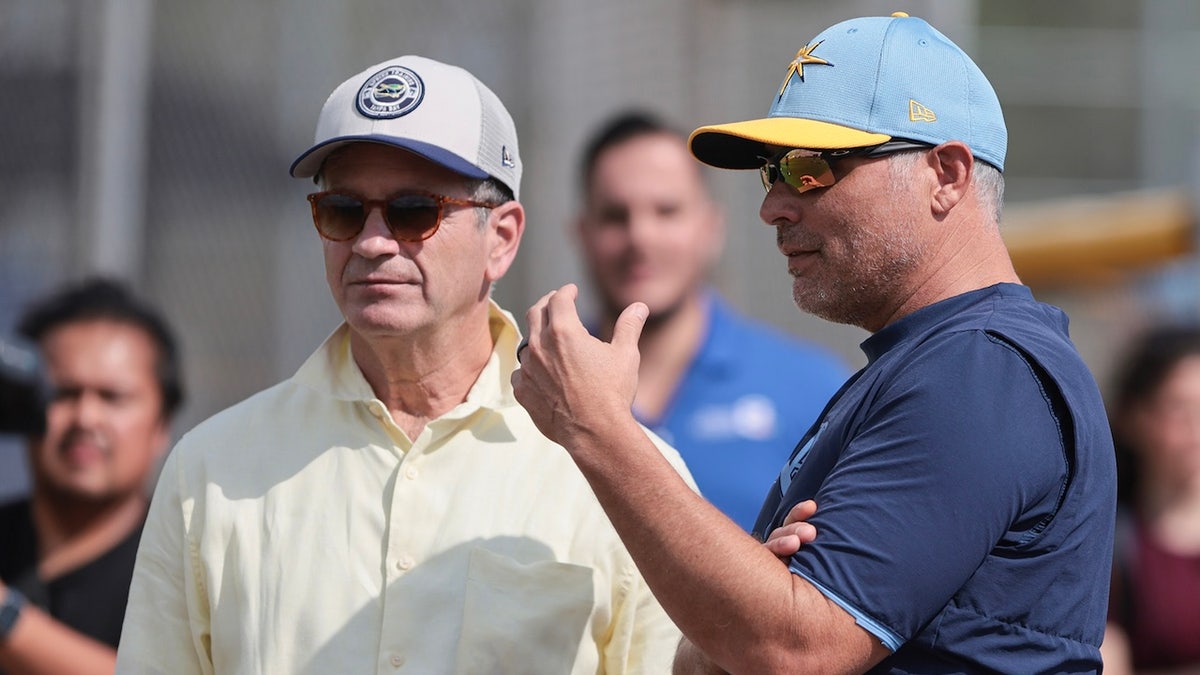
(523, 617)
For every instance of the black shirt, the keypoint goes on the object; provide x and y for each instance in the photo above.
(90, 599)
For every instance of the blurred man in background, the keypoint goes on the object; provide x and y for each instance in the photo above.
(111, 371)
(731, 394)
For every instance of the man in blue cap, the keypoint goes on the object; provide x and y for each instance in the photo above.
(964, 478)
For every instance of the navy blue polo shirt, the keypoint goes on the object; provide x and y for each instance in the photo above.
(966, 490)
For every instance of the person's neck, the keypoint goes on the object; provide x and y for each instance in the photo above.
(73, 532)
(668, 344)
(421, 377)
(963, 265)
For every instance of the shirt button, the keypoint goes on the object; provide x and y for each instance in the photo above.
(397, 660)
(411, 473)
(404, 563)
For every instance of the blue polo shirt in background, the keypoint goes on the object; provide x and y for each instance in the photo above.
(746, 399)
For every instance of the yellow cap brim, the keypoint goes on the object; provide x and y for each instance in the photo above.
(740, 145)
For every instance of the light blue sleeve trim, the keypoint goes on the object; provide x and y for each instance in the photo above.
(885, 635)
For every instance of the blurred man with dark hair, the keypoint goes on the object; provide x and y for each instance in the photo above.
(731, 394)
(113, 382)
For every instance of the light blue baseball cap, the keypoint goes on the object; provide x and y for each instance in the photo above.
(863, 82)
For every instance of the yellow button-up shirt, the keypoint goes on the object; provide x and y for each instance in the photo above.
(301, 531)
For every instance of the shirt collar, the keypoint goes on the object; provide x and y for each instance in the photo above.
(332, 370)
(929, 317)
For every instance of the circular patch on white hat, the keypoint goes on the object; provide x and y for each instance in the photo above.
(392, 92)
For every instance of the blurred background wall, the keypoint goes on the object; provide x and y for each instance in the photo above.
(151, 140)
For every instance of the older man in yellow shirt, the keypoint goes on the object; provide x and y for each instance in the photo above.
(391, 507)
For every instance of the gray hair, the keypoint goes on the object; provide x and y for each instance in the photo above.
(986, 181)
(490, 191)
(989, 188)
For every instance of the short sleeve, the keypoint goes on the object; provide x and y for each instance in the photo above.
(957, 456)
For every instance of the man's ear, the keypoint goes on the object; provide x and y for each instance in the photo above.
(506, 224)
(953, 165)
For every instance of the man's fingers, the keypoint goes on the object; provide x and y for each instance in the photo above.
(805, 532)
(795, 531)
(628, 328)
(560, 306)
(800, 512)
(569, 291)
(788, 539)
(783, 546)
(536, 319)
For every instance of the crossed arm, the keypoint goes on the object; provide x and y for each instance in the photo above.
(735, 602)
(783, 542)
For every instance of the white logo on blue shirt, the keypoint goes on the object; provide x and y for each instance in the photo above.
(751, 417)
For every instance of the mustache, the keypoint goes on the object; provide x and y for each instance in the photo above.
(77, 435)
(794, 238)
(358, 269)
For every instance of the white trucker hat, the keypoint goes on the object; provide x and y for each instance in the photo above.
(438, 111)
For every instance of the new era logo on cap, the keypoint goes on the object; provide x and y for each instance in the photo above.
(438, 111)
(920, 113)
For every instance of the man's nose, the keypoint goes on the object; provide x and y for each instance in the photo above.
(89, 410)
(376, 237)
(778, 205)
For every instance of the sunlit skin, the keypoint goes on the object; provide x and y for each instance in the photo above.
(105, 427)
(417, 311)
(847, 255)
(386, 287)
(649, 231)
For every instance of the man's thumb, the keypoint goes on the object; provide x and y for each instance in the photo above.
(628, 328)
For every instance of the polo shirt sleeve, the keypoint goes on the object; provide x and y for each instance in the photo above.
(956, 455)
(165, 632)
